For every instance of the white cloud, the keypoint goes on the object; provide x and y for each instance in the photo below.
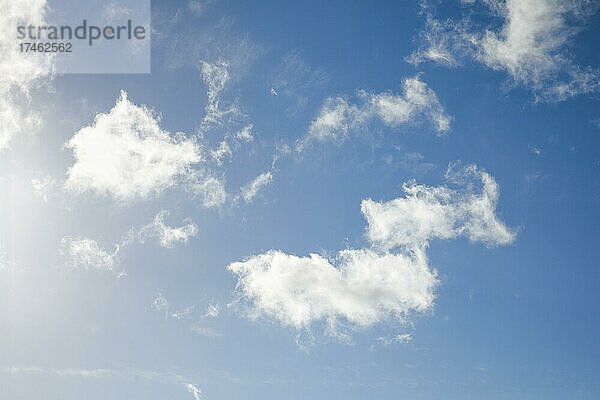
(221, 152)
(130, 374)
(443, 42)
(427, 213)
(161, 304)
(14, 120)
(389, 280)
(184, 313)
(87, 254)
(338, 117)
(194, 391)
(361, 287)
(200, 328)
(17, 69)
(65, 373)
(212, 311)
(335, 119)
(19, 72)
(211, 190)
(417, 98)
(167, 236)
(43, 188)
(245, 134)
(125, 154)
(199, 7)
(529, 44)
(250, 191)
(113, 13)
(401, 338)
(532, 45)
(215, 76)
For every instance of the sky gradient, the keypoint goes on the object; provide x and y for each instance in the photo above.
(307, 200)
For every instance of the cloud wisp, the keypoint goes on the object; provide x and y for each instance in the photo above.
(215, 76)
(252, 189)
(127, 374)
(85, 253)
(389, 280)
(338, 117)
(531, 45)
(167, 236)
(200, 326)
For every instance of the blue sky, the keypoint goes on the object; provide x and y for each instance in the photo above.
(440, 160)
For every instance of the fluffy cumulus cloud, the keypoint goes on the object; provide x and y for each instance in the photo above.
(125, 154)
(87, 254)
(531, 45)
(250, 191)
(390, 279)
(19, 72)
(361, 286)
(338, 116)
(426, 213)
(167, 236)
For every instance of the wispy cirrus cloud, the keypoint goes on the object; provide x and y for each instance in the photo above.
(200, 7)
(531, 46)
(163, 306)
(294, 80)
(128, 374)
(200, 326)
(389, 280)
(86, 253)
(168, 236)
(338, 116)
(215, 76)
(250, 191)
